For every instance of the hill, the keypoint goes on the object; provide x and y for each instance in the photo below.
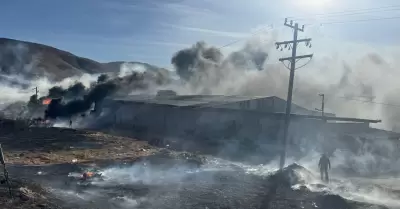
(30, 60)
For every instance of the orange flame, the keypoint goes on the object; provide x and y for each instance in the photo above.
(46, 101)
(88, 174)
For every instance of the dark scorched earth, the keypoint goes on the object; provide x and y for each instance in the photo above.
(168, 183)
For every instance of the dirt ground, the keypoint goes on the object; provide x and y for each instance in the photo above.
(26, 195)
(57, 150)
(39, 146)
(32, 146)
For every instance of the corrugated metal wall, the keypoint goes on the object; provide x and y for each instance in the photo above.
(170, 120)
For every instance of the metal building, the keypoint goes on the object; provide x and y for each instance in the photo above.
(215, 116)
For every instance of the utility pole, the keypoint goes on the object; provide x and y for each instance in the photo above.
(293, 59)
(322, 104)
(36, 91)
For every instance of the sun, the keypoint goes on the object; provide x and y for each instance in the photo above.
(314, 4)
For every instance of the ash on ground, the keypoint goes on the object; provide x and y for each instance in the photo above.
(148, 185)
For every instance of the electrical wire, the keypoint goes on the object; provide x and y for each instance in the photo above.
(360, 20)
(287, 66)
(332, 14)
(350, 12)
(328, 97)
(333, 17)
(371, 102)
(304, 64)
(339, 14)
(323, 23)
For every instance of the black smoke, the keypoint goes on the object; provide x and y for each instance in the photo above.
(58, 109)
(77, 99)
(100, 91)
(102, 78)
(201, 58)
(56, 91)
(76, 90)
(198, 58)
(205, 69)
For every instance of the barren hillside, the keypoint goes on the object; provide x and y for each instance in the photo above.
(31, 60)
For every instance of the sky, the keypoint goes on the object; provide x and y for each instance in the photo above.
(152, 30)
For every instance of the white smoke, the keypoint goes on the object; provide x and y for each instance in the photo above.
(143, 174)
(364, 73)
(10, 94)
(129, 68)
(353, 72)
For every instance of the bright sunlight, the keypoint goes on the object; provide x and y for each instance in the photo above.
(314, 4)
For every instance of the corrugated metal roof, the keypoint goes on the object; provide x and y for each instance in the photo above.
(210, 101)
(187, 100)
(214, 101)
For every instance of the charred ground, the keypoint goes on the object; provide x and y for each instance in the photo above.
(47, 155)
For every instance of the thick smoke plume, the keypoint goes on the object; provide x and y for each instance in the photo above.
(205, 69)
(77, 89)
(57, 109)
(360, 84)
(349, 82)
(79, 99)
(195, 60)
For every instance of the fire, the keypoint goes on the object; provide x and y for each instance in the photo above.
(87, 175)
(46, 101)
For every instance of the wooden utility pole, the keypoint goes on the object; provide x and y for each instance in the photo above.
(322, 105)
(36, 91)
(293, 59)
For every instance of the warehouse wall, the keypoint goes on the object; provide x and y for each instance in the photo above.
(199, 123)
(269, 104)
(227, 127)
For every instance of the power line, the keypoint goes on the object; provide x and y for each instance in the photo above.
(304, 63)
(371, 102)
(335, 14)
(362, 101)
(350, 12)
(360, 20)
(322, 23)
(328, 17)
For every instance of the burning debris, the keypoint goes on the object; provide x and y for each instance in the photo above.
(57, 109)
(76, 100)
(46, 101)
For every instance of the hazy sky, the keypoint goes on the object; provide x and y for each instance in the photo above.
(152, 30)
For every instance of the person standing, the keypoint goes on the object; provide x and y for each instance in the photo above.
(324, 164)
